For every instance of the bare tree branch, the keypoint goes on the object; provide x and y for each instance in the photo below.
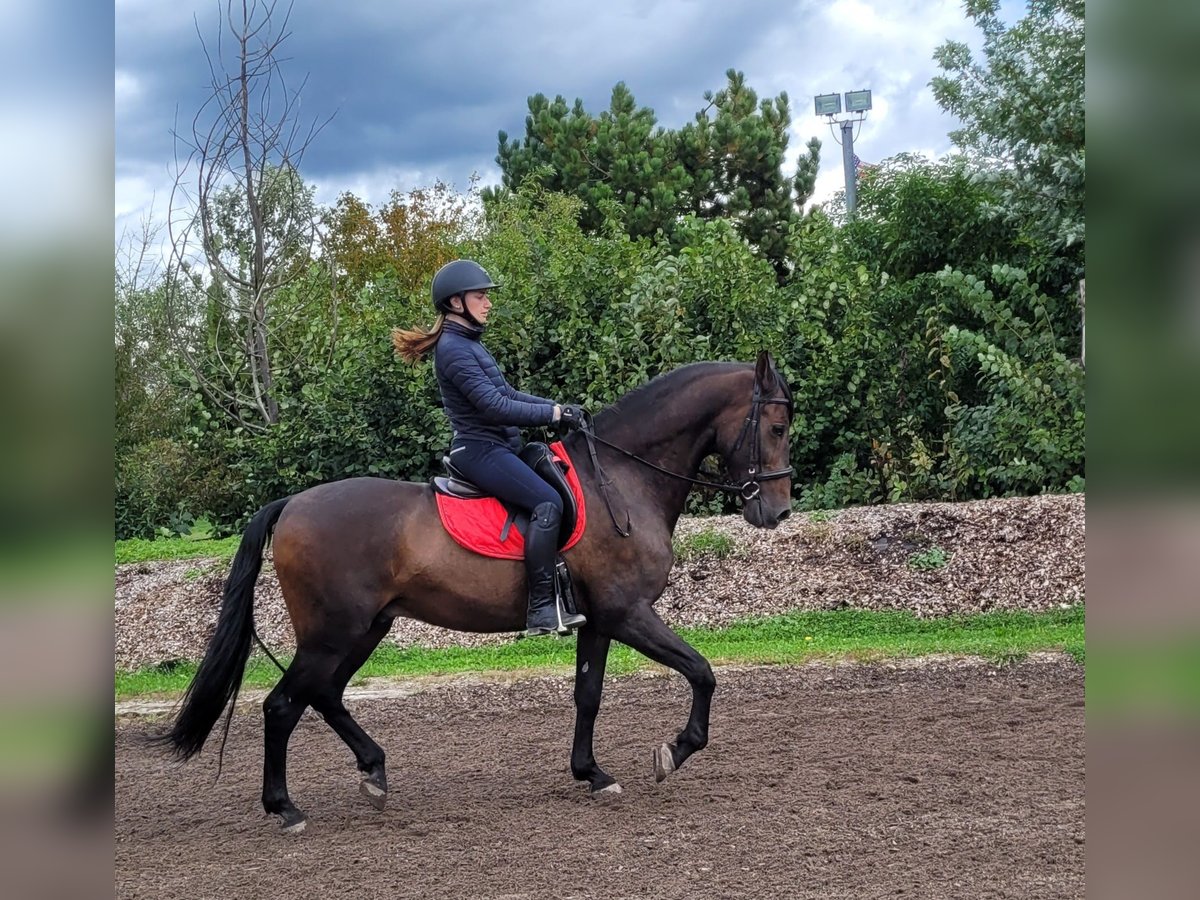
(242, 224)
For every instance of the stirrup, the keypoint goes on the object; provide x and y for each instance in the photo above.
(538, 632)
(566, 623)
(567, 612)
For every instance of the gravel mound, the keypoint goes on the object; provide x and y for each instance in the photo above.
(1023, 553)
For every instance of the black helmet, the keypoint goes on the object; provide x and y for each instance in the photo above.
(458, 277)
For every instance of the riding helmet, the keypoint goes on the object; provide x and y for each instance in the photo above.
(458, 277)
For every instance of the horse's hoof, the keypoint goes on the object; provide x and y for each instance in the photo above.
(664, 762)
(376, 795)
(294, 822)
(611, 790)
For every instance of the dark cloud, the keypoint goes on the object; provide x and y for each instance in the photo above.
(420, 91)
(416, 87)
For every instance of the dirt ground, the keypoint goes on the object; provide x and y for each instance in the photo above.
(943, 779)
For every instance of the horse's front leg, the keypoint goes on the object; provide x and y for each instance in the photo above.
(591, 656)
(645, 632)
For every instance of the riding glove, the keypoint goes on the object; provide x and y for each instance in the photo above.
(572, 417)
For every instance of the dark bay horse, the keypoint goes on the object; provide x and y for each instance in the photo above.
(354, 555)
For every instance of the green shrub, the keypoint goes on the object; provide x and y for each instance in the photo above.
(928, 559)
(708, 542)
(165, 484)
(922, 368)
(1016, 421)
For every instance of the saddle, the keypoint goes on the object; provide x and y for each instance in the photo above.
(552, 467)
(485, 525)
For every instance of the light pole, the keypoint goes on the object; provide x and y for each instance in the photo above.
(857, 104)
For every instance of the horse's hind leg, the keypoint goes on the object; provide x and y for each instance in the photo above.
(645, 632)
(328, 702)
(281, 711)
(591, 655)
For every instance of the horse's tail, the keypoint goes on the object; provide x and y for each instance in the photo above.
(220, 674)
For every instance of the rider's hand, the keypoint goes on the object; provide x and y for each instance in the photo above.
(572, 417)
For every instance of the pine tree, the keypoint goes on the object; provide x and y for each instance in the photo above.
(727, 163)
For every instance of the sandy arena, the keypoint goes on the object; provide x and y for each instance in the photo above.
(937, 779)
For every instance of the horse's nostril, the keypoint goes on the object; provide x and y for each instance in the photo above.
(783, 515)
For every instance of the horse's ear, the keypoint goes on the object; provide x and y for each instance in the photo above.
(764, 372)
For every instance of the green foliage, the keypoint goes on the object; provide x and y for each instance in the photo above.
(590, 317)
(708, 542)
(935, 384)
(845, 485)
(983, 401)
(1016, 412)
(891, 404)
(286, 213)
(1022, 110)
(929, 559)
(624, 168)
(353, 410)
(149, 400)
(166, 482)
(915, 216)
(200, 529)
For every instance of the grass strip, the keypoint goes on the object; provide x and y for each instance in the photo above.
(137, 550)
(789, 639)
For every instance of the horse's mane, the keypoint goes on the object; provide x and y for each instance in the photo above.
(645, 400)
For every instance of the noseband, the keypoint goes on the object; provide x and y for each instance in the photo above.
(747, 490)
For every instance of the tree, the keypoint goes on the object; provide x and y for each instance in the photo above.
(243, 223)
(403, 242)
(147, 396)
(728, 163)
(1023, 115)
(917, 216)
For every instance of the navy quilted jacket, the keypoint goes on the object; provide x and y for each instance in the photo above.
(480, 403)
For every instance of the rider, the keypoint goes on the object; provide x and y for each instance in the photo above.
(484, 411)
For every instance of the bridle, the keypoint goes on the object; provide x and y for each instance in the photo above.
(747, 490)
(752, 487)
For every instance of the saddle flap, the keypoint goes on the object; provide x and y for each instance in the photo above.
(541, 459)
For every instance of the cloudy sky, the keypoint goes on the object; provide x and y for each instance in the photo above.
(419, 90)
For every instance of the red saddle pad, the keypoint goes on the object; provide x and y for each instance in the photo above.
(476, 524)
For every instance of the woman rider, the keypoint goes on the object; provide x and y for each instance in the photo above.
(484, 411)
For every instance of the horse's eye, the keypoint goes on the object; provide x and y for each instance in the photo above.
(778, 430)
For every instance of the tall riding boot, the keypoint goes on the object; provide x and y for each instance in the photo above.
(541, 545)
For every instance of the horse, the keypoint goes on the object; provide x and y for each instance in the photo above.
(355, 554)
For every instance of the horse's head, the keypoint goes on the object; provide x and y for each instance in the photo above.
(756, 448)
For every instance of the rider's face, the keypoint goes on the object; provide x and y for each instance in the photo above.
(478, 304)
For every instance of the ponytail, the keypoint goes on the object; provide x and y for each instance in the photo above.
(413, 344)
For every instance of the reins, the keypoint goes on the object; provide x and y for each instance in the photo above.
(601, 479)
(748, 490)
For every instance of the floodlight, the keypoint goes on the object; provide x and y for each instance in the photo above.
(828, 104)
(858, 101)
